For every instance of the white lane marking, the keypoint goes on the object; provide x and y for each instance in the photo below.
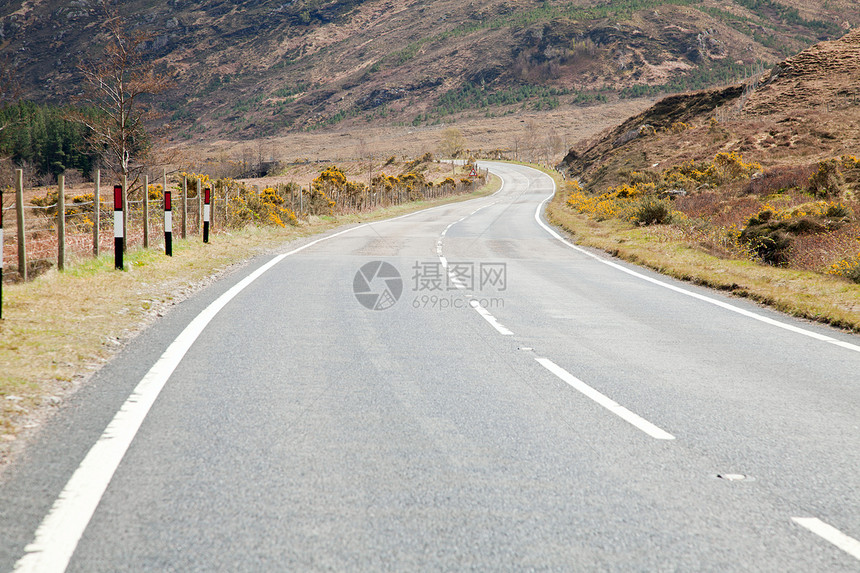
(60, 531)
(458, 282)
(611, 405)
(703, 298)
(490, 318)
(829, 533)
(58, 535)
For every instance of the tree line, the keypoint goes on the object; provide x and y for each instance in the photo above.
(43, 137)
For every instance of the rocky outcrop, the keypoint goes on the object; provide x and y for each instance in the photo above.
(825, 74)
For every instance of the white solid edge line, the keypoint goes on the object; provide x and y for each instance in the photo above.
(59, 532)
(709, 300)
(829, 533)
(603, 400)
(57, 536)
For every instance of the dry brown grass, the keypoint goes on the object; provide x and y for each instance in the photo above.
(800, 293)
(60, 328)
(525, 133)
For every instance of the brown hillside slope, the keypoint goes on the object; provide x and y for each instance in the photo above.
(803, 111)
(815, 77)
(261, 67)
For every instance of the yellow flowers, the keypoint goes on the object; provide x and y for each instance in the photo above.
(265, 206)
(679, 126)
(848, 268)
(331, 177)
(731, 166)
(155, 191)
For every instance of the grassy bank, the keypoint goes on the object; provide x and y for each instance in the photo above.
(804, 294)
(61, 327)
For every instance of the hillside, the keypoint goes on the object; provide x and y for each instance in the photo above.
(804, 110)
(764, 172)
(259, 67)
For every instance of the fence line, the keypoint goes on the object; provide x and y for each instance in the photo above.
(82, 227)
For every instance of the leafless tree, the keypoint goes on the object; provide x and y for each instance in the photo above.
(452, 143)
(116, 86)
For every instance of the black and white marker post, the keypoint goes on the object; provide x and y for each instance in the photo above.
(168, 225)
(117, 227)
(206, 213)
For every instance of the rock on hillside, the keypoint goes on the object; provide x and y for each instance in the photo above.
(682, 108)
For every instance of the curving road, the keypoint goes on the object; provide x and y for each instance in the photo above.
(512, 403)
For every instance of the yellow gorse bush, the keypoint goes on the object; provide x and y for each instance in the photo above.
(264, 207)
(155, 191)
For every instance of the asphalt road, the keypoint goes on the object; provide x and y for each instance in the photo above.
(578, 419)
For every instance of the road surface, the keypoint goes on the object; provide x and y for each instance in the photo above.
(507, 402)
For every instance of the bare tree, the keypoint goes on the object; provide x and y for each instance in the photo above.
(115, 88)
(452, 143)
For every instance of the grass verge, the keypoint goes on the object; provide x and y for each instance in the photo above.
(60, 328)
(802, 294)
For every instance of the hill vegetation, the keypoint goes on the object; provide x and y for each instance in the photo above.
(259, 67)
(765, 171)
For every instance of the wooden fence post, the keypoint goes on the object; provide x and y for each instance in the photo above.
(199, 184)
(97, 210)
(184, 201)
(215, 187)
(124, 213)
(19, 204)
(146, 211)
(61, 222)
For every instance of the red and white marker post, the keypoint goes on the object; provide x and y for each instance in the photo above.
(206, 213)
(117, 227)
(168, 225)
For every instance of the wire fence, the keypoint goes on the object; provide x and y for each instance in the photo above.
(87, 226)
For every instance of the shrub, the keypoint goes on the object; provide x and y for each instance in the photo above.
(769, 234)
(679, 127)
(263, 207)
(848, 268)
(652, 211)
(692, 174)
(779, 180)
(827, 179)
(731, 166)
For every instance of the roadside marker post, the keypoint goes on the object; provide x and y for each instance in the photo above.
(168, 225)
(117, 227)
(206, 213)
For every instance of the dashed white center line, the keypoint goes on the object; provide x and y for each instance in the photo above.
(829, 533)
(458, 282)
(611, 405)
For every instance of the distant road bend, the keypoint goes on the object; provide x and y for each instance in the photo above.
(459, 388)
